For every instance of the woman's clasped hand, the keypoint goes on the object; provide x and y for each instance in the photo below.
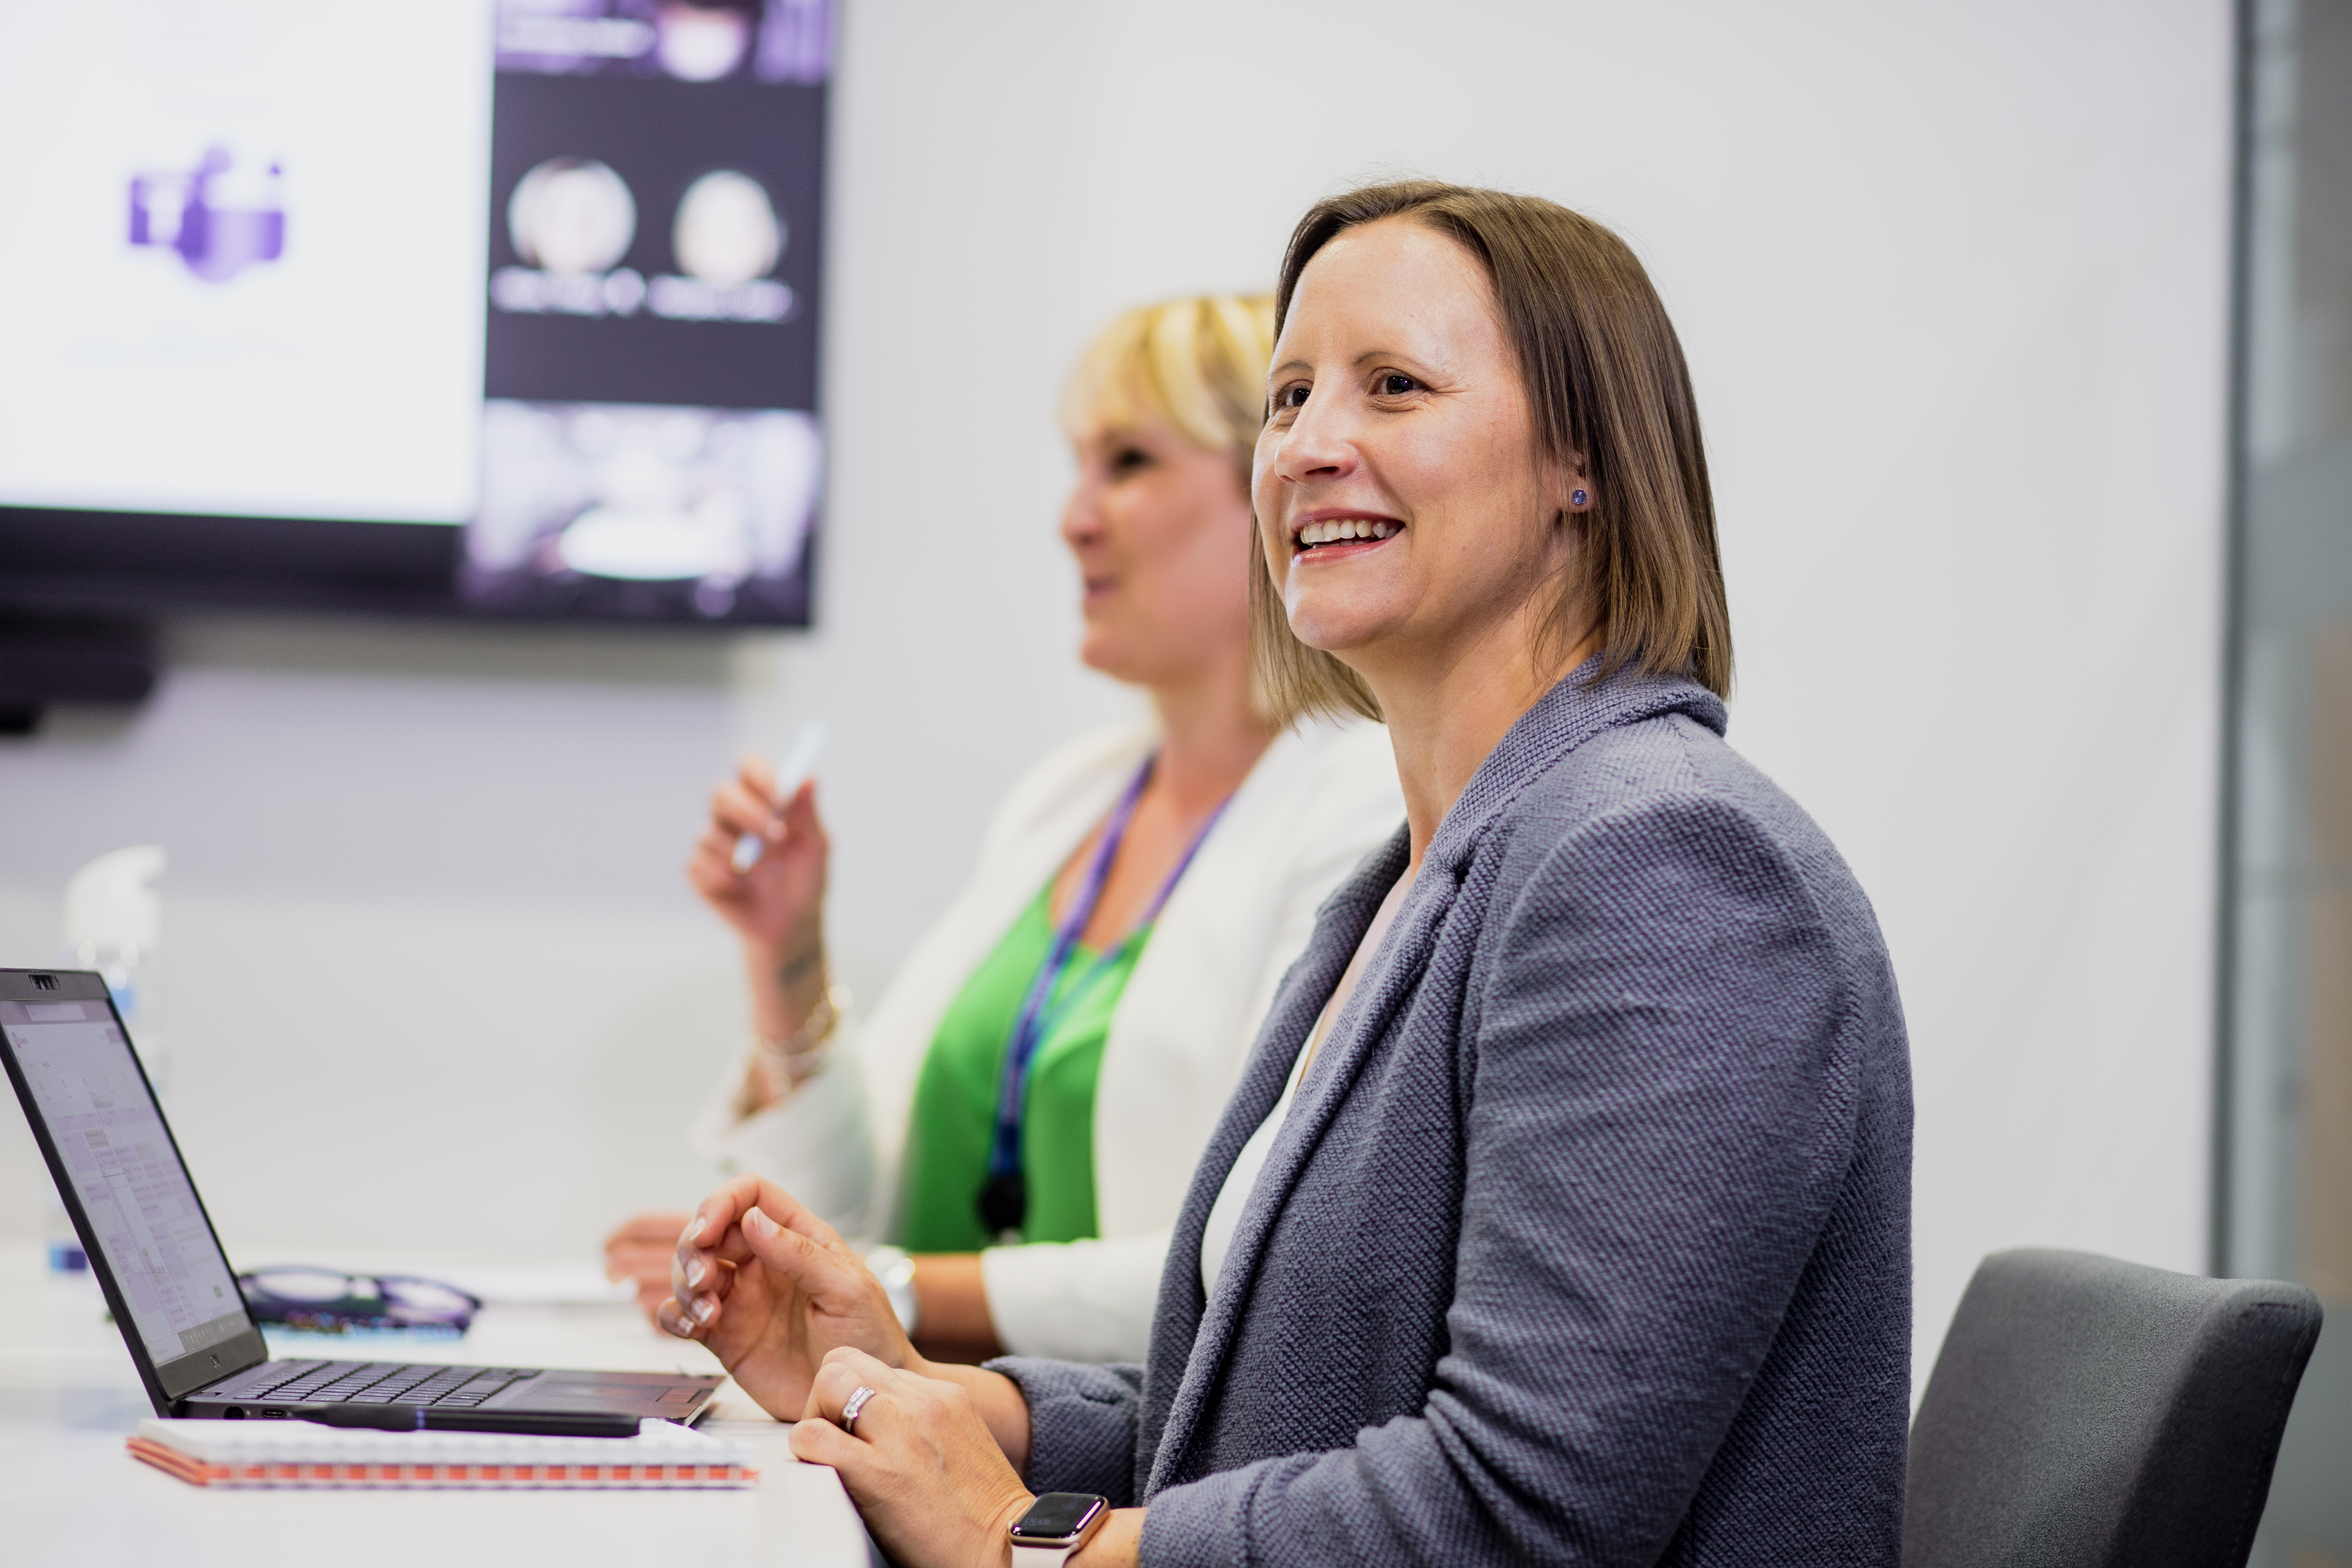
(771, 1288)
(933, 1455)
(931, 1482)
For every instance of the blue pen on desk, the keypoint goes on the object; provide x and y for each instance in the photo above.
(799, 763)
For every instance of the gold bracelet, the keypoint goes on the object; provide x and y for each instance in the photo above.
(786, 1062)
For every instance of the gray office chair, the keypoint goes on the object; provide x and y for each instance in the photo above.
(2087, 1413)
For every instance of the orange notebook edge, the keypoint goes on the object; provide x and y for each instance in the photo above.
(171, 1460)
(642, 1477)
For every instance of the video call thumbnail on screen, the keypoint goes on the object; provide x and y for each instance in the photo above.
(544, 270)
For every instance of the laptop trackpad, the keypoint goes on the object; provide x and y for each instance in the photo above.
(653, 1394)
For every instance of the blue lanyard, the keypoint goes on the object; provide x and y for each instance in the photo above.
(1004, 1199)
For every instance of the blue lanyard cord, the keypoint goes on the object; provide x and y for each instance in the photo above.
(1039, 1012)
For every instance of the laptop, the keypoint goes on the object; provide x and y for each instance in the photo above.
(171, 1288)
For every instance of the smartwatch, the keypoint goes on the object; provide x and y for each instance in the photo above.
(1056, 1525)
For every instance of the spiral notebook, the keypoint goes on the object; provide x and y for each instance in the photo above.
(304, 1454)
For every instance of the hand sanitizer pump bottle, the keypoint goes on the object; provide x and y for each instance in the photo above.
(113, 924)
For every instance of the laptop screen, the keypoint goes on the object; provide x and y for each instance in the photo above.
(142, 1209)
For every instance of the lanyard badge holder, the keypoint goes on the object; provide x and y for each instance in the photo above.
(1004, 1196)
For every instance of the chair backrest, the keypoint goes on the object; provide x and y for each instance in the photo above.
(2086, 1412)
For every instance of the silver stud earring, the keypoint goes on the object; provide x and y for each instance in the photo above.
(1577, 499)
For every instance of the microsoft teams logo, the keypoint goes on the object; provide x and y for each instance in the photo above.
(222, 215)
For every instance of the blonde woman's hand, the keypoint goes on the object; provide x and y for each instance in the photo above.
(778, 906)
(640, 1252)
(771, 1290)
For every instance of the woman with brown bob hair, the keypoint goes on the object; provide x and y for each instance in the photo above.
(1563, 1212)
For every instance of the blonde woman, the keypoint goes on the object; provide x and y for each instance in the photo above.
(1048, 1063)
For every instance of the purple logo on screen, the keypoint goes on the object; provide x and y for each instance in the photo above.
(222, 216)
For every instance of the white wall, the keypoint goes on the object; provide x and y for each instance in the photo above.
(1952, 283)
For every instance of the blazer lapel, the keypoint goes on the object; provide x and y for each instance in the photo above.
(1386, 983)
(1170, 1369)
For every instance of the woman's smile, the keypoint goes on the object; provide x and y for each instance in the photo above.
(1333, 534)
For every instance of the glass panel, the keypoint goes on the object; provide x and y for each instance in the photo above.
(2287, 1209)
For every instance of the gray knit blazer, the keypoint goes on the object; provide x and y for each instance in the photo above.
(1587, 1239)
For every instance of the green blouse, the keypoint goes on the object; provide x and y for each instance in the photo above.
(954, 1114)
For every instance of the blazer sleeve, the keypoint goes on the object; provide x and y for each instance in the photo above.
(1656, 1073)
(1082, 1424)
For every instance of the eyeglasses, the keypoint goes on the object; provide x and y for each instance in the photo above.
(330, 1301)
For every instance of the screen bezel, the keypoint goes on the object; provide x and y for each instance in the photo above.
(63, 560)
(126, 561)
(166, 1381)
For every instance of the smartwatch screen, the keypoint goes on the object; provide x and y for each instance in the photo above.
(1057, 1516)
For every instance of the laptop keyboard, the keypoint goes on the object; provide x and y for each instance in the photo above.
(369, 1382)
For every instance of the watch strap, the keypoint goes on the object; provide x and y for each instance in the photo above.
(1027, 1556)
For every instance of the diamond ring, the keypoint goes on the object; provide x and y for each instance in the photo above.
(856, 1405)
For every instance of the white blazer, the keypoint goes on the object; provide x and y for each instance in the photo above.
(1319, 799)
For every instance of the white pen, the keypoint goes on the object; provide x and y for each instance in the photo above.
(799, 762)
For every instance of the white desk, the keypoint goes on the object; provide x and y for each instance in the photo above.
(70, 1494)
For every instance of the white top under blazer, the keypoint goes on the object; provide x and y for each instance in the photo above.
(1320, 798)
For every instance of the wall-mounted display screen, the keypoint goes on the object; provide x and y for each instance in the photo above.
(506, 307)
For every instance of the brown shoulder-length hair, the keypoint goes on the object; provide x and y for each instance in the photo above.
(1610, 397)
